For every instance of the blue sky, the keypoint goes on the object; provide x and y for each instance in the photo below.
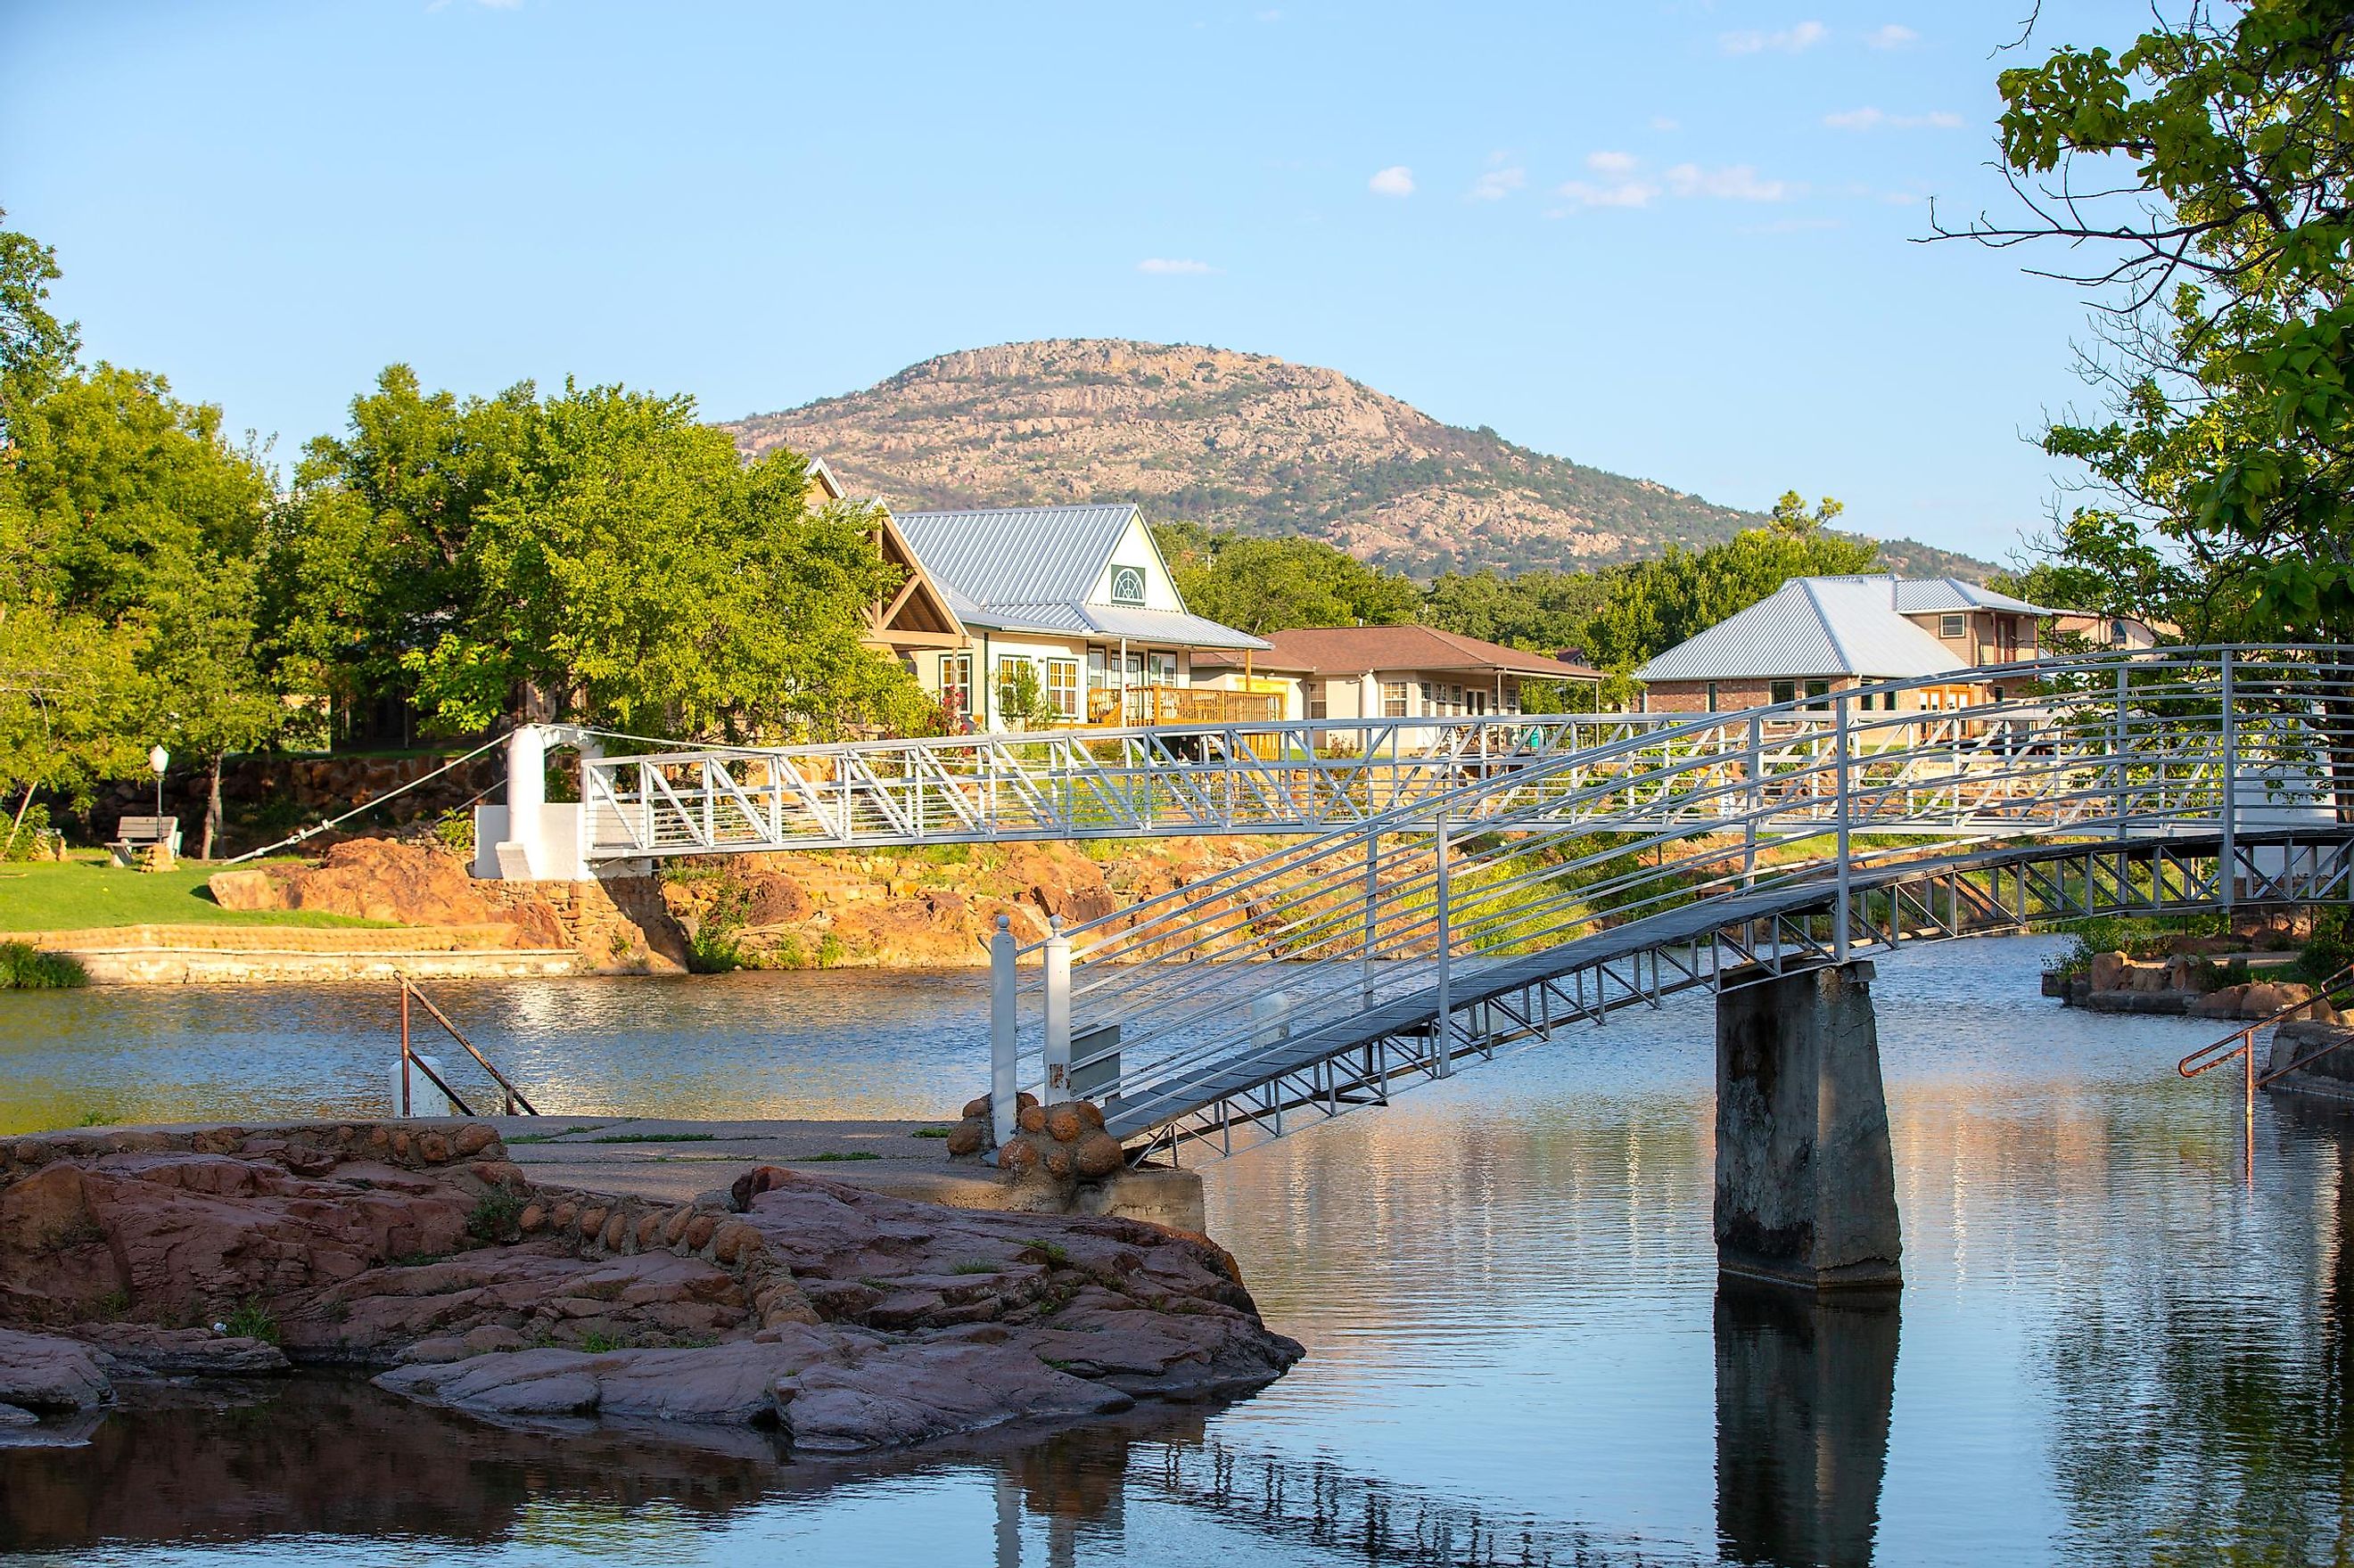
(1670, 239)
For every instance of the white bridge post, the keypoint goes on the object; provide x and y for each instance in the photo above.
(1839, 911)
(2117, 745)
(526, 802)
(1005, 1081)
(1442, 1031)
(1372, 919)
(2227, 870)
(1058, 1013)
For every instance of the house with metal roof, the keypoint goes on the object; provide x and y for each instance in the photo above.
(1814, 636)
(1403, 672)
(1069, 616)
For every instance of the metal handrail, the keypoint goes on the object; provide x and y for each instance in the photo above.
(516, 1098)
(2110, 750)
(2205, 1059)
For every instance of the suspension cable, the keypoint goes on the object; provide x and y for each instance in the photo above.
(369, 805)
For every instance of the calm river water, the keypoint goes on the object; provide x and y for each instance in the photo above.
(2108, 1349)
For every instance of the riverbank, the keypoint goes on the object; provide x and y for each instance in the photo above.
(242, 955)
(833, 1315)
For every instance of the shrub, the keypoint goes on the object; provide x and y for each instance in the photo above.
(2135, 935)
(830, 950)
(23, 967)
(454, 830)
(494, 1217)
(714, 949)
(2330, 949)
(32, 839)
(252, 1321)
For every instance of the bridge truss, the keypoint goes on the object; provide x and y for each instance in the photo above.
(1504, 906)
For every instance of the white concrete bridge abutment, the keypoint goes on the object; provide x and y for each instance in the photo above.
(1806, 1184)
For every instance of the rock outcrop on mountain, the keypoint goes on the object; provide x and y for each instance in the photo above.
(1244, 441)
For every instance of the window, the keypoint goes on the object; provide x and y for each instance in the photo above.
(956, 683)
(1127, 586)
(1319, 700)
(1951, 627)
(1393, 699)
(1711, 697)
(1063, 687)
(1817, 691)
(1161, 669)
(1784, 691)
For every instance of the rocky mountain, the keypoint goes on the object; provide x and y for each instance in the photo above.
(1249, 442)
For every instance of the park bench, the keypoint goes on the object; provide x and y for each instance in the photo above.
(135, 836)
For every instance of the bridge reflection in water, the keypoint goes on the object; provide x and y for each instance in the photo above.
(1803, 1400)
(1805, 1386)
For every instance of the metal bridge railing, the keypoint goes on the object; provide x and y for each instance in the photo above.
(1293, 776)
(1208, 978)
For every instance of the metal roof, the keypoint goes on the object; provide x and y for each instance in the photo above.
(1158, 626)
(1809, 626)
(1038, 568)
(1020, 554)
(1932, 595)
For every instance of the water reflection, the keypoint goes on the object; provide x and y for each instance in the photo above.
(2113, 1350)
(1804, 1390)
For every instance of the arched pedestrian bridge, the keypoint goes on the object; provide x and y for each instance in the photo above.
(1455, 888)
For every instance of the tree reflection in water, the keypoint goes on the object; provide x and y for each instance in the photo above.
(2202, 1388)
(314, 1456)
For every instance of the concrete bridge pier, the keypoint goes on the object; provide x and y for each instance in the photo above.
(1806, 1186)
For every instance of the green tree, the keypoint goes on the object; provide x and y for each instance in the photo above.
(128, 525)
(637, 571)
(370, 556)
(2208, 170)
(1270, 585)
(1651, 605)
(37, 350)
(210, 696)
(1540, 611)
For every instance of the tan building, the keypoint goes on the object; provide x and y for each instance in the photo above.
(1814, 636)
(1399, 671)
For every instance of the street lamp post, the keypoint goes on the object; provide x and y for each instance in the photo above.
(158, 758)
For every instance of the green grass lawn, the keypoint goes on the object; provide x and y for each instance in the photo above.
(85, 892)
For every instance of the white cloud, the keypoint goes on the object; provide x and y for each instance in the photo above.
(1611, 162)
(1397, 180)
(1170, 266)
(1788, 41)
(1870, 119)
(1892, 37)
(1497, 184)
(1735, 182)
(1617, 193)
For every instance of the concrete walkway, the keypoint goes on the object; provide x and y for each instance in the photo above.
(657, 1156)
(675, 1161)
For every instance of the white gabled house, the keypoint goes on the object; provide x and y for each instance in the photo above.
(1076, 604)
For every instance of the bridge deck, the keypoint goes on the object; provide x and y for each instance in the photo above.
(1129, 1117)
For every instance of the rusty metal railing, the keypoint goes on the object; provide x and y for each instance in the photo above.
(2242, 1043)
(515, 1100)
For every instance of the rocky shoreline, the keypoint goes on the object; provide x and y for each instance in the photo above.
(834, 1320)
